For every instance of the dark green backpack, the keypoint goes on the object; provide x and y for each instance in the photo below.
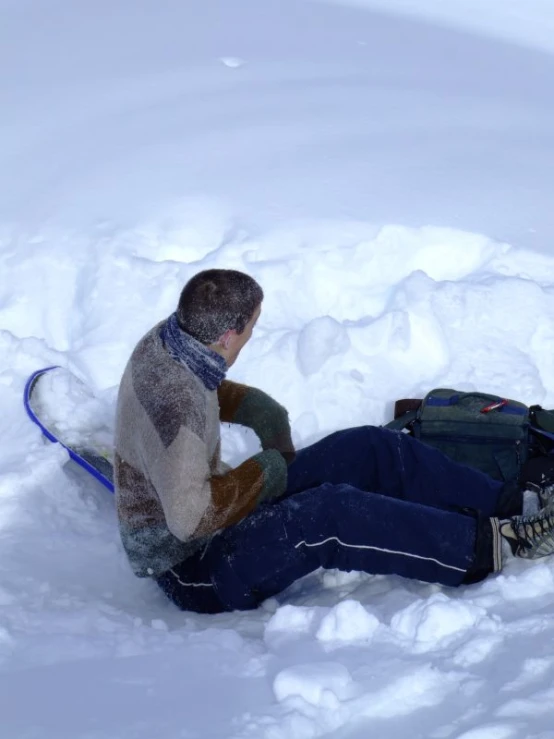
(498, 436)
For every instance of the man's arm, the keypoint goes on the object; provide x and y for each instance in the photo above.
(251, 407)
(236, 493)
(195, 503)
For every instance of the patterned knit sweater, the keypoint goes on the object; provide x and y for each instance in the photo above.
(172, 489)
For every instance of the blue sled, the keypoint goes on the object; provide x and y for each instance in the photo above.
(96, 465)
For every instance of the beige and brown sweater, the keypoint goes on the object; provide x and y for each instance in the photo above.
(172, 489)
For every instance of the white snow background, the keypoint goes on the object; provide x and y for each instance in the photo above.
(386, 171)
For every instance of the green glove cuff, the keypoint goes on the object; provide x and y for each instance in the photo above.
(274, 470)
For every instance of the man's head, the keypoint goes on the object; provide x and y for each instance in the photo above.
(219, 308)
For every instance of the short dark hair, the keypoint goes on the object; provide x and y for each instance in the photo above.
(215, 301)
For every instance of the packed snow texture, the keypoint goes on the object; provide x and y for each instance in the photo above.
(388, 180)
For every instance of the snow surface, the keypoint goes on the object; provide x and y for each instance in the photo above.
(388, 179)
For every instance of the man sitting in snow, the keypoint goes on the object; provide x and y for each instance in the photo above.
(218, 539)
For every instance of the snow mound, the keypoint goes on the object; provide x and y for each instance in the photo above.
(437, 618)
(348, 621)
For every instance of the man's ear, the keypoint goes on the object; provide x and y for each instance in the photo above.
(225, 338)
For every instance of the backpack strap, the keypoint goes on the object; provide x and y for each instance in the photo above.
(402, 422)
(405, 413)
(542, 421)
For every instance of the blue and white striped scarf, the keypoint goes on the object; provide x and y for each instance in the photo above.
(206, 364)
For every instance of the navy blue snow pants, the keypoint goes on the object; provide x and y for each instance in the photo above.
(364, 499)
